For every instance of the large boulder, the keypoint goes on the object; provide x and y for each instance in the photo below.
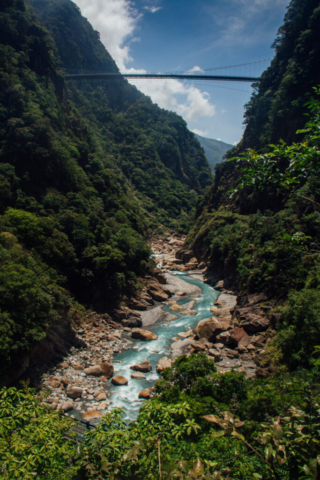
(226, 338)
(66, 406)
(255, 323)
(161, 278)
(107, 369)
(238, 333)
(211, 328)
(184, 254)
(142, 334)
(221, 312)
(216, 354)
(202, 344)
(119, 380)
(74, 392)
(101, 397)
(157, 293)
(163, 363)
(94, 370)
(144, 366)
(137, 304)
(146, 393)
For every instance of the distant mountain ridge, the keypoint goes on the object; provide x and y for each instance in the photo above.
(214, 149)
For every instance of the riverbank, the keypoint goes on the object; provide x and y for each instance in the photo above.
(189, 318)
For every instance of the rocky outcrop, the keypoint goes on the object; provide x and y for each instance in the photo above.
(211, 328)
(142, 334)
(144, 366)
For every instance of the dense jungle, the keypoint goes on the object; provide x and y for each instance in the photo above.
(92, 174)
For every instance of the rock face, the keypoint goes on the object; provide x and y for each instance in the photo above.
(211, 328)
(119, 380)
(144, 366)
(146, 393)
(163, 363)
(91, 415)
(74, 392)
(142, 334)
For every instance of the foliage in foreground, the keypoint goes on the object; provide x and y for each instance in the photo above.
(224, 428)
(33, 443)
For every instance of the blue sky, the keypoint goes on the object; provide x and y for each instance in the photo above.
(183, 35)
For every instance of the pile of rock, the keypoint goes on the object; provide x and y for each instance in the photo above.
(236, 335)
(79, 382)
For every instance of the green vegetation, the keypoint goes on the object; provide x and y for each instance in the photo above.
(33, 441)
(214, 426)
(87, 172)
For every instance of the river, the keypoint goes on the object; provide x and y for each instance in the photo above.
(126, 396)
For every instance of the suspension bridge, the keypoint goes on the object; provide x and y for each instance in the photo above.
(110, 76)
(189, 75)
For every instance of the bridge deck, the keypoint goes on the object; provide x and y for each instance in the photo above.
(110, 76)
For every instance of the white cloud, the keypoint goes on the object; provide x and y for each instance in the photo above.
(117, 21)
(195, 69)
(186, 100)
(219, 139)
(152, 9)
(223, 111)
(202, 133)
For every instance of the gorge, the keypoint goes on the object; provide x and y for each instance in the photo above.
(176, 310)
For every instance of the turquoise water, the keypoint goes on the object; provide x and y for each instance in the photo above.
(126, 396)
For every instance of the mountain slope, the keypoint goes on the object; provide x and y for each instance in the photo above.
(153, 147)
(86, 171)
(214, 149)
(266, 239)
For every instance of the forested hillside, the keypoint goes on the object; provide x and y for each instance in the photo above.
(259, 225)
(87, 171)
(214, 149)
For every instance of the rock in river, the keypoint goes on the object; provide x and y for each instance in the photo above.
(142, 334)
(146, 393)
(144, 366)
(138, 376)
(119, 380)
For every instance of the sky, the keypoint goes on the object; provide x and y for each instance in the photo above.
(181, 36)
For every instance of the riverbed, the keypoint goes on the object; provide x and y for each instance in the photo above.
(126, 396)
